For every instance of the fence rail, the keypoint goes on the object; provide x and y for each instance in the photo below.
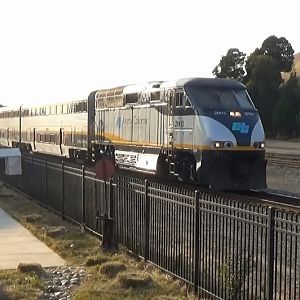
(225, 248)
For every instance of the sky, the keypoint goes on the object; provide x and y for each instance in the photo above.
(61, 50)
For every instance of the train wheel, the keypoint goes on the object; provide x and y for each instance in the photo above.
(186, 169)
(162, 169)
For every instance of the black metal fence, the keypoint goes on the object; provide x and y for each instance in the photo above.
(226, 248)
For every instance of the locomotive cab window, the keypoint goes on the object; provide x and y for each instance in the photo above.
(181, 100)
(220, 99)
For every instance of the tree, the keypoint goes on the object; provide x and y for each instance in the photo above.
(287, 111)
(263, 79)
(263, 86)
(250, 63)
(231, 65)
(280, 50)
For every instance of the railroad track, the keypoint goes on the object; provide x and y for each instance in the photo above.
(276, 199)
(271, 198)
(287, 160)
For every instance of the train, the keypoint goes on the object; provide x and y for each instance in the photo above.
(201, 130)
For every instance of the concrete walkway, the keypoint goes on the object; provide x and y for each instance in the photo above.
(18, 245)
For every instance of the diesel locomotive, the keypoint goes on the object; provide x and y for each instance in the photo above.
(203, 130)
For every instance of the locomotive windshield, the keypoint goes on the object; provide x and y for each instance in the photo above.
(220, 99)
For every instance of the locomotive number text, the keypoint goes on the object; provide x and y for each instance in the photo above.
(179, 124)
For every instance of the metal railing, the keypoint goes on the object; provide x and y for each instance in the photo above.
(225, 248)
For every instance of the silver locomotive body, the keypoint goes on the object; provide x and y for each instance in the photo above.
(200, 130)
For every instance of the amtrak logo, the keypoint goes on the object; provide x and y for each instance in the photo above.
(240, 127)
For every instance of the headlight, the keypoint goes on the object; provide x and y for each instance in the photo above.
(235, 114)
(259, 145)
(222, 144)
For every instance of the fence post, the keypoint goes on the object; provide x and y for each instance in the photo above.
(111, 200)
(147, 220)
(46, 180)
(31, 177)
(83, 195)
(196, 241)
(62, 191)
(270, 258)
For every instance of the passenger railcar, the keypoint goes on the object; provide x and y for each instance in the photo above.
(198, 129)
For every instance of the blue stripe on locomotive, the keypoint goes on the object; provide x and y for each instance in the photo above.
(241, 127)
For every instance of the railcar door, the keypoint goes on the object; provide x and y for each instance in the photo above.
(170, 119)
(34, 138)
(183, 122)
(7, 136)
(61, 139)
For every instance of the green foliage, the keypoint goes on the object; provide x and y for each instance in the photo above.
(231, 65)
(280, 50)
(287, 111)
(263, 87)
(234, 273)
(263, 80)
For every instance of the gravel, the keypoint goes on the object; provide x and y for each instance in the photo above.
(284, 179)
(61, 282)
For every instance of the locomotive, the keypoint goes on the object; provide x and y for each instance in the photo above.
(203, 130)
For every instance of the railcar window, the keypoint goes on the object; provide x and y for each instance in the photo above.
(182, 100)
(80, 107)
(52, 138)
(155, 96)
(14, 114)
(178, 99)
(132, 98)
(42, 111)
(25, 113)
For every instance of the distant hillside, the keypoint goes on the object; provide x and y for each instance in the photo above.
(296, 67)
(297, 63)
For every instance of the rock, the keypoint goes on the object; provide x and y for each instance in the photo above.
(56, 288)
(32, 218)
(31, 268)
(55, 231)
(75, 281)
(64, 282)
(57, 294)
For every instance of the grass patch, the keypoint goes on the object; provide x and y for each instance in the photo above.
(140, 280)
(112, 268)
(17, 286)
(110, 274)
(94, 261)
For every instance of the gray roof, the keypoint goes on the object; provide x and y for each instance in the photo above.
(210, 83)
